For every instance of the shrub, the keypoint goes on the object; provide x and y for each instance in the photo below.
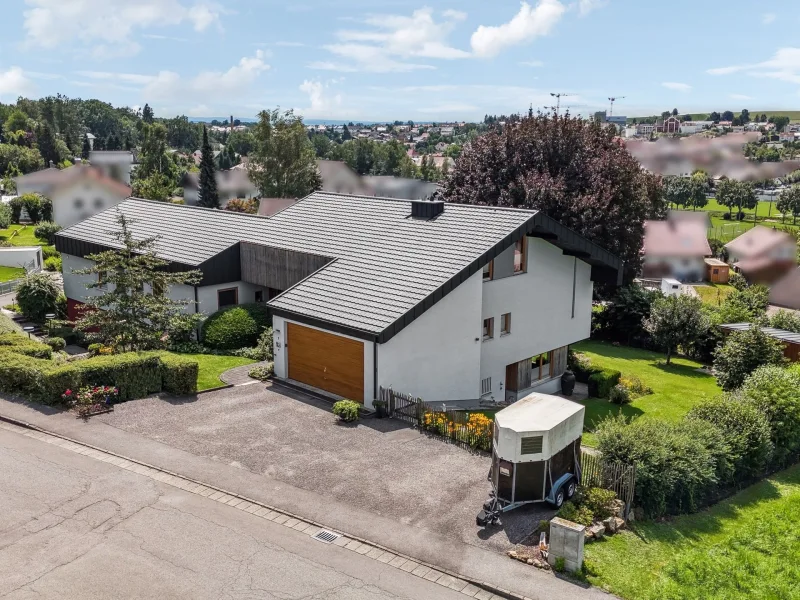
(620, 395)
(47, 230)
(601, 383)
(577, 514)
(5, 216)
(346, 410)
(679, 466)
(22, 344)
(635, 386)
(622, 320)
(179, 374)
(32, 203)
(742, 353)
(262, 372)
(48, 251)
(53, 264)
(581, 366)
(737, 281)
(249, 206)
(235, 327)
(776, 392)
(37, 295)
(16, 209)
(57, 343)
(599, 501)
(94, 349)
(47, 205)
(746, 430)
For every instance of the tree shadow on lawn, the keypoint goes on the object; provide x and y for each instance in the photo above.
(598, 409)
(680, 370)
(692, 527)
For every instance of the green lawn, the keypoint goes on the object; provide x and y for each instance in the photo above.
(9, 273)
(714, 293)
(25, 237)
(744, 547)
(211, 366)
(676, 388)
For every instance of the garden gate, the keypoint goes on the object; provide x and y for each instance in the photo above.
(615, 476)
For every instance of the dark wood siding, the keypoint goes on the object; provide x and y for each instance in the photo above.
(277, 268)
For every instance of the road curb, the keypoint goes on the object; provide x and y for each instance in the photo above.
(496, 591)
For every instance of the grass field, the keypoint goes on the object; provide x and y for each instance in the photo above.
(9, 273)
(25, 237)
(676, 388)
(212, 366)
(744, 547)
(713, 293)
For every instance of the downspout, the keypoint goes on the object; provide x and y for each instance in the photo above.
(375, 369)
(196, 304)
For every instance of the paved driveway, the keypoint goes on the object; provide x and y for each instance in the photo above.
(380, 465)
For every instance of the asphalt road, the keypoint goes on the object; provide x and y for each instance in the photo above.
(73, 527)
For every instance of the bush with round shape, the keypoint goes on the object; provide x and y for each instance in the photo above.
(262, 372)
(37, 295)
(235, 326)
(746, 429)
(346, 410)
(742, 353)
(619, 394)
(57, 343)
(47, 230)
(32, 203)
(49, 251)
(602, 382)
(581, 515)
(776, 392)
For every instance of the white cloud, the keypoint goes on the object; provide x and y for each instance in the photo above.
(322, 103)
(455, 15)
(784, 66)
(532, 63)
(768, 18)
(201, 110)
(528, 24)
(155, 36)
(109, 76)
(390, 41)
(14, 83)
(740, 97)
(587, 6)
(106, 27)
(678, 87)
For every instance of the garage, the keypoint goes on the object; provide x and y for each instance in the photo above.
(330, 362)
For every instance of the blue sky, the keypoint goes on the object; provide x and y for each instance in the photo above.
(392, 59)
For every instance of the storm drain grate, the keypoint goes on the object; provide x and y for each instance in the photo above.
(326, 536)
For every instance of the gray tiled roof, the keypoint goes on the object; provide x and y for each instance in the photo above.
(778, 334)
(187, 235)
(385, 263)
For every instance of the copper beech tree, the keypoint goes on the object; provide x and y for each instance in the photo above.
(576, 172)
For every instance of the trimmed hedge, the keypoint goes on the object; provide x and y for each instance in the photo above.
(602, 382)
(137, 375)
(179, 374)
(235, 327)
(21, 344)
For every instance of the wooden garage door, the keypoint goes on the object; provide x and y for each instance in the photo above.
(327, 361)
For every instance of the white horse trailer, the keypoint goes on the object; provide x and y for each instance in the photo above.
(536, 454)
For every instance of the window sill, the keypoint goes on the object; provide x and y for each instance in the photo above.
(505, 334)
(487, 339)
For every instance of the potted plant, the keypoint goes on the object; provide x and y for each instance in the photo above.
(346, 410)
(380, 408)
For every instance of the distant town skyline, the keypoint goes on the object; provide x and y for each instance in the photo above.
(385, 61)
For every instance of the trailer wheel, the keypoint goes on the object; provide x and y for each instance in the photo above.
(559, 500)
(571, 486)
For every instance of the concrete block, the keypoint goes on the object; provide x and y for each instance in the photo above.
(566, 541)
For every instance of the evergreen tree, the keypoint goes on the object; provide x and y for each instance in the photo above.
(207, 195)
(86, 148)
(346, 134)
(147, 114)
(126, 314)
(70, 143)
(47, 145)
(128, 145)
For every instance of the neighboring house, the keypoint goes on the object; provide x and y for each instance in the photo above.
(339, 178)
(448, 302)
(763, 255)
(116, 164)
(77, 192)
(785, 293)
(789, 339)
(233, 183)
(675, 248)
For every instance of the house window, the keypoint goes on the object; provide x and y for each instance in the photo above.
(259, 296)
(540, 366)
(78, 203)
(488, 328)
(98, 203)
(486, 386)
(227, 297)
(531, 445)
(519, 256)
(505, 324)
(716, 271)
(488, 271)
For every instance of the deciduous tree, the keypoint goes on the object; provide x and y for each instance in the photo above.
(742, 353)
(676, 321)
(789, 202)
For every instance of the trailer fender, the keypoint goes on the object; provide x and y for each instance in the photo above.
(561, 490)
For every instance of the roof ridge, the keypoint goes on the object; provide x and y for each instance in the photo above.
(193, 207)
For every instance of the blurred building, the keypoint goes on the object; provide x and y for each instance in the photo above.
(675, 249)
(763, 255)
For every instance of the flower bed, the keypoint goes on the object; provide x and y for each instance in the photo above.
(90, 401)
(475, 430)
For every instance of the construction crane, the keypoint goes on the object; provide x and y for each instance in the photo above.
(612, 100)
(558, 97)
